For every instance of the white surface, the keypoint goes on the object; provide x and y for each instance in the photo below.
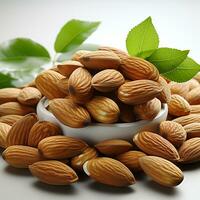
(98, 132)
(177, 22)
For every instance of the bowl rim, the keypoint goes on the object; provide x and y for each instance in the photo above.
(43, 103)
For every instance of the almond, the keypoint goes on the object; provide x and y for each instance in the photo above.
(61, 147)
(4, 129)
(190, 151)
(100, 60)
(69, 113)
(178, 106)
(193, 83)
(107, 80)
(193, 97)
(155, 145)
(15, 108)
(161, 171)
(10, 119)
(53, 172)
(138, 92)
(19, 133)
(67, 67)
(77, 162)
(109, 171)
(188, 119)
(21, 156)
(46, 82)
(103, 109)
(148, 110)
(195, 109)
(192, 130)
(29, 96)
(76, 56)
(126, 113)
(63, 85)
(79, 85)
(181, 89)
(9, 94)
(173, 132)
(131, 159)
(113, 147)
(41, 130)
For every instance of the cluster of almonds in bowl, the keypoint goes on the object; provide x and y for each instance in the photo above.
(105, 86)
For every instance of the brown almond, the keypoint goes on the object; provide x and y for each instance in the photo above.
(63, 85)
(9, 94)
(188, 119)
(181, 89)
(195, 109)
(4, 129)
(126, 113)
(192, 130)
(76, 56)
(10, 119)
(193, 83)
(193, 97)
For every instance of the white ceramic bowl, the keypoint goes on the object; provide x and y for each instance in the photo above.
(97, 132)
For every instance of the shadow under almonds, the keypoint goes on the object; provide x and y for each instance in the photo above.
(16, 171)
(190, 167)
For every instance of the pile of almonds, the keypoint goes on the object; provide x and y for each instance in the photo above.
(105, 86)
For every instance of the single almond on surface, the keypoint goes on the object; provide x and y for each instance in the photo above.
(192, 130)
(113, 147)
(131, 159)
(53, 172)
(79, 85)
(76, 56)
(46, 83)
(10, 119)
(188, 119)
(173, 132)
(21, 156)
(77, 162)
(29, 96)
(190, 151)
(63, 85)
(69, 113)
(9, 94)
(138, 92)
(148, 110)
(67, 67)
(41, 130)
(4, 129)
(178, 106)
(107, 80)
(103, 109)
(195, 109)
(100, 60)
(15, 108)
(109, 171)
(161, 171)
(61, 147)
(193, 97)
(181, 89)
(19, 133)
(155, 145)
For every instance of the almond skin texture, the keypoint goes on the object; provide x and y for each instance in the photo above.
(100, 60)
(113, 147)
(79, 86)
(195, 109)
(193, 96)
(53, 172)
(107, 80)
(19, 133)
(190, 151)
(21, 156)
(41, 130)
(155, 145)
(66, 68)
(148, 110)
(46, 83)
(10, 119)
(103, 109)
(138, 92)
(77, 162)
(61, 147)
(193, 83)
(76, 56)
(192, 130)
(178, 106)
(63, 85)
(15, 108)
(69, 113)
(131, 159)
(4, 129)
(173, 132)
(9, 94)
(161, 171)
(29, 96)
(188, 119)
(181, 89)
(109, 171)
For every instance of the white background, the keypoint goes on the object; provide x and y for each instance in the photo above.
(177, 22)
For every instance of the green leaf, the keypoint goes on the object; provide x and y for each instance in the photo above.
(184, 72)
(143, 39)
(167, 59)
(73, 34)
(22, 59)
(5, 80)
